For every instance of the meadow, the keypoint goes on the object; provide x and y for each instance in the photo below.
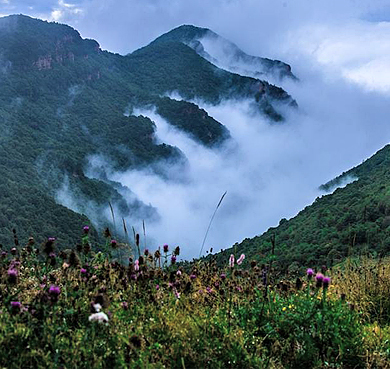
(89, 307)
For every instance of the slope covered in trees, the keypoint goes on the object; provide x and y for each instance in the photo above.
(353, 220)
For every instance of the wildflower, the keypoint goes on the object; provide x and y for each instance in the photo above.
(173, 259)
(51, 239)
(178, 273)
(15, 306)
(192, 276)
(3, 254)
(12, 275)
(14, 251)
(136, 265)
(125, 305)
(83, 271)
(96, 307)
(326, 282)
(165, 248)
(86, 229)
(309, 273)
(157, 254)
(54, 292)
(157, 287)
(146, 252)
(223, 276)
(177, 294)
(98, 317)
(113, 244)
(319, 279)
(284, 308)
(231, 261)
(133, 277)
(209, 290)
(241, 259)
(177, 251)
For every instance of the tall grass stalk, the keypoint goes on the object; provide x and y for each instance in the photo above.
(211, 221)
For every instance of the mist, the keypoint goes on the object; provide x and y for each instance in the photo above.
(270, 171)
(340, 53)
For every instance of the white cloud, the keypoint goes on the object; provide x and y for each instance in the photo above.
(358, 51)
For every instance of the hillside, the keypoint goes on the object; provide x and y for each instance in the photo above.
(353, 220)
(226, 54)
(63, 100)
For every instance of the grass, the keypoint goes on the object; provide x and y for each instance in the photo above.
(162, 316)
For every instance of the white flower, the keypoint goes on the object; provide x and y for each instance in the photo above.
(97, 307)
(98, 317)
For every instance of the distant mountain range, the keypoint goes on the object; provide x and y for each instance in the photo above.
(64, 100)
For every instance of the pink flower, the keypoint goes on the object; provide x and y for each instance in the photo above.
(136, 265)
(241, 259)
(231, 261)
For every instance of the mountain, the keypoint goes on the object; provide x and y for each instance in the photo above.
(353, 220)
(226, 54)
(65, 102)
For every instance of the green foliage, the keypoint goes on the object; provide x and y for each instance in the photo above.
(351, 221)
(161, 318)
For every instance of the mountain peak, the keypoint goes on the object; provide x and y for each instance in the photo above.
(225, 54)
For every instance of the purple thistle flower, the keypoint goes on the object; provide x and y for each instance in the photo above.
(173, 259)
(157, 287)
(165, 248)
(14, 251)
(209, 290)
(133, 277)
(125, 305)
(309, 273)
(146, 252)
(326, 282)
(3, 254)
(223, 276)
(15, 306)
(319, 279)
(12, 275)
(51, 239)
(113, 243)
(54, 291)
(192, 276)
(83, 271)
(86, 229)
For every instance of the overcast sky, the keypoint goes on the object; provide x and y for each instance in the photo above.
(340, 50)
(350, 37)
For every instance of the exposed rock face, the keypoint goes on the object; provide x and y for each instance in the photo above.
(44, 62)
